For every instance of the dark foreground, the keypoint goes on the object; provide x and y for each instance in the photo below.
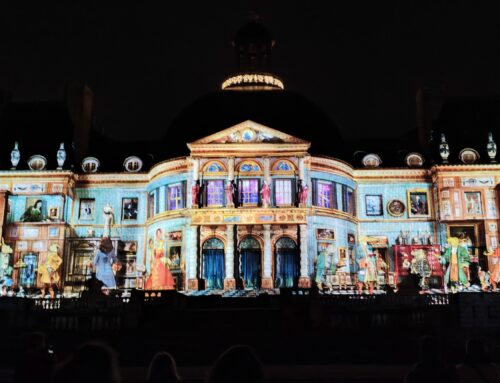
(299, 338)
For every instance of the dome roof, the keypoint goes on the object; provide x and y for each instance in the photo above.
(286, 111)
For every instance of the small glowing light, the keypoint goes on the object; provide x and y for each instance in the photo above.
(255, 79)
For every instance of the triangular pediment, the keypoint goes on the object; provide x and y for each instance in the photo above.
(249, 132)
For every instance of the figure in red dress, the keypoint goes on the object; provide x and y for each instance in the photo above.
(160, 277)
(195, 192)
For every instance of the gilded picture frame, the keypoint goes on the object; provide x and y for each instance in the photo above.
(418, 202)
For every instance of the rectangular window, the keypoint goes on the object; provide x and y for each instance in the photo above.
(215, 193)
(283, 192)
(151, 204)
(157, 201)
(174, 197)
(325, 194)
(249, 192)
(348, 200)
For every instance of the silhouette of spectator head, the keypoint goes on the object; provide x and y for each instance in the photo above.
(92, 362)
(162, 369)
(476, 352)
(237, 364)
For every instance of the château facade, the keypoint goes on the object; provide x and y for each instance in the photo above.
(249, 208)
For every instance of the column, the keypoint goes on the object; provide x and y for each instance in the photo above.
(192, 251)
(229, 281)
(304, 280)
(267, 276)
(230, 169)
(195, 162)
(267, 170)
(196, 168)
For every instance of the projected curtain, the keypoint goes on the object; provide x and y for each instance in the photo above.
(250, 267)
(213, 268)
(288, 269)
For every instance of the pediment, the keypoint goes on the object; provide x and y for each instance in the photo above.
(249, 132)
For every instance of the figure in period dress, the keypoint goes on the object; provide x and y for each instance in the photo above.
(160, 277)
(103, 263)
(195, 192)
(48, 271)
(229, 193)
(266, 194)
(33, 213)
(320, 268)
(457, 257)
(304, 192)
(494, 263)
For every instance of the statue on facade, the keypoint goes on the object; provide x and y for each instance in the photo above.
(195, 193)
(304, 192)
(108, 220)
(48, 270)
(229, 194)
(266, 195)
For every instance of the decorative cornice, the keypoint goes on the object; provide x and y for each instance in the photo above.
(331, 164)
(372, 175)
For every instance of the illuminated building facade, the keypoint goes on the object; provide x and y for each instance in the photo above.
(250, 207)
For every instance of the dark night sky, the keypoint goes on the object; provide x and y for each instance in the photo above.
(360, 61)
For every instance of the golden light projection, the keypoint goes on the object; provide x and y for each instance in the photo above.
(253, 79)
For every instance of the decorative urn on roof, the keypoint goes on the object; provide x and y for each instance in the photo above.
(491, 148)
(444, 149)
(15, 156)
(61, 156)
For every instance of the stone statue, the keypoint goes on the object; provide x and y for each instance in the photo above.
(61, 156)
(15, 156)
(303, 193)
(108, 220)
(229, 193)
(195, 191)
(266, 194)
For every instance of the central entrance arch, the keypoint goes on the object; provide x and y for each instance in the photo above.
(213, 263)
(286, 263)
(250, 262)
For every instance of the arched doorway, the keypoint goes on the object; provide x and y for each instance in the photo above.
(286, 263)
(213, 263)
(250, 262)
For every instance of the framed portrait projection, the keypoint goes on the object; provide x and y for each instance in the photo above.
(175, 235)
(129, 208)
(351, 238)
(87, 206)
(34, 211)
(418, 203)
(53, 213)
(473, 204)
(174, 256)
(373, 205)
(396, 208)
(328, 234)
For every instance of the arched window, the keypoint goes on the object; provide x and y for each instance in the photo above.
(214, 167)
(250, 262)
(249, 167)
(287, 263)
(283, 166)
(213, 263)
